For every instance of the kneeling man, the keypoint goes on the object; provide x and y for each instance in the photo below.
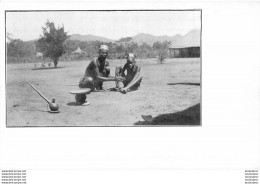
(133, 77)
(98, 71)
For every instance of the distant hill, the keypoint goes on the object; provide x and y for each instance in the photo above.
(150, 39)
(89, 38)
(191, 39)
(139, 39)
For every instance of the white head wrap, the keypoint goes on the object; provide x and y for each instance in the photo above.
(131, 55)
(103, 47)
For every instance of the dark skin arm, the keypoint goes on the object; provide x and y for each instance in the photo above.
(137, 74)
(133, 81)
(124, 68)
(104, 79)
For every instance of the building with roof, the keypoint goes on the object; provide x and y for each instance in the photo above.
(78, 51)
(187, 46)
(39, 54)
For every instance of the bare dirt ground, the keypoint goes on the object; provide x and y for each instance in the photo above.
(169, 92)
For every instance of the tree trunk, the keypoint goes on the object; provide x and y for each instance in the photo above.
(55, 61)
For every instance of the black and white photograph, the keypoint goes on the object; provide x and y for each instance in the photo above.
(103, 68)
(129, 92)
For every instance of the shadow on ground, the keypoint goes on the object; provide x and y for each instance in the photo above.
(35, 110)
(47, 68)
(189, 116)
(78, 104)
(185, 83)
(74, 104)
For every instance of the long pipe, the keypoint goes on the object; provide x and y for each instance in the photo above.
(47, 100)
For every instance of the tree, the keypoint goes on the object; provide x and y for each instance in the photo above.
(162, 50)
(132, 47)
(126, 39)
(71, 45)
(52, 42)
(18, 48)
(143, 50)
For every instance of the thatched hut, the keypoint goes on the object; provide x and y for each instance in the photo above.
(39, 54)
(78, 51)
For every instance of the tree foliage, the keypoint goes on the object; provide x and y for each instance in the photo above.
(52, 42)
(126, 39)
(162, 49)
(18, 48)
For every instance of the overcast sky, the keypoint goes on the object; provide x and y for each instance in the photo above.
(112, 25)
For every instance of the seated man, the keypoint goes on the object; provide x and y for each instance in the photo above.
(132, 78)
(97, 72)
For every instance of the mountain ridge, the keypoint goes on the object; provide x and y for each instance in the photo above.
(89, 37)
(141, 38)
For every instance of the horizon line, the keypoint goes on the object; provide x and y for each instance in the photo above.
(114, 39)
